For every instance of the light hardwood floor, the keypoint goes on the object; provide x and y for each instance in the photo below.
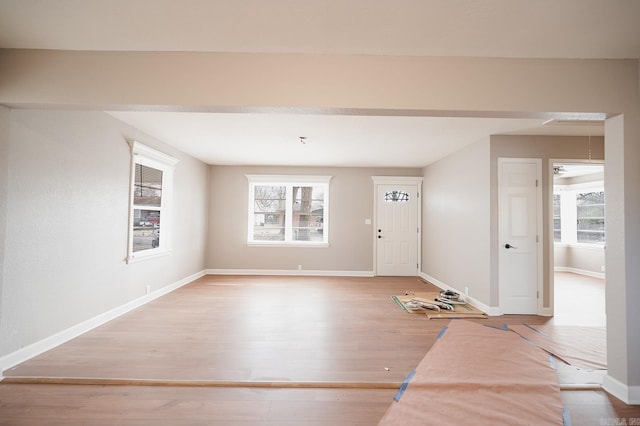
(343, 333)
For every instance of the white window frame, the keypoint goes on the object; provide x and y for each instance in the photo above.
(142, 154)
(288, 181)
(568, 212)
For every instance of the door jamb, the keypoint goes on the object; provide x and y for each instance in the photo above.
(396, 180)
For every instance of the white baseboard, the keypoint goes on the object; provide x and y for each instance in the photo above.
(579, 272)
(21, 355)
(628, 394)
(491, 311)
(293, 272)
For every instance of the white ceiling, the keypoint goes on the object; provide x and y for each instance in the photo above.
(331, 140)
(487, 28)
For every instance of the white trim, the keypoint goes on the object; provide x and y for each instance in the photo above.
(391, 180)
(397, 180)
(630, 395)
(292, 272)
(288, 244)
(579, 271)
(21, 355)
(140, 149)
(277, 179)
(288, 181)
(142, 154)
(581, 246)
(491, 311)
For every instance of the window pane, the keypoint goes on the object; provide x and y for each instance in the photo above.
(396, 196)
(146, 229)
(588, 198)
(590, 214)
(147, 186)
(557, 223)
(269, 213)
(592, 237)
(308, 213)
(591, 211)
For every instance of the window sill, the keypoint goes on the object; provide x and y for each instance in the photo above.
(581, 246)
(288, 244)
(138, 257)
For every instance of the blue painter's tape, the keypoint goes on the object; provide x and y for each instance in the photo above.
(404, 385)
(493, 326)
(566, 417)
(552, 362)
(536, 330)
(442, 332)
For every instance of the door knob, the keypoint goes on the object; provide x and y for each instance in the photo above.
(379, 236)
(509, 246)
(379, 230)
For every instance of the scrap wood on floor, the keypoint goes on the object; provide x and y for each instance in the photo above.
(430, 303)
(476, 374)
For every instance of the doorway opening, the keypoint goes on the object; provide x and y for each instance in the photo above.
(579, 238)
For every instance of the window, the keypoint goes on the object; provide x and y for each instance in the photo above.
(288, 210)
(151, 184)
(578, 214)
(557, 218)
(396, 197)
(590, 217)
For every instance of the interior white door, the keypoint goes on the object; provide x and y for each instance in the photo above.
(397, 230)
(520, 197)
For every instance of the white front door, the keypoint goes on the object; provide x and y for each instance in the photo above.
(396, 232)
(520, 215)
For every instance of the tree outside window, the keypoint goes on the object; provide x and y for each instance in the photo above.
(288, 210)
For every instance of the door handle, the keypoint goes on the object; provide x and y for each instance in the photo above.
(509, 246)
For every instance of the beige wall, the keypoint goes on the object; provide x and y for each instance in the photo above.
(455, 221)
(67, 187)
(350, 239)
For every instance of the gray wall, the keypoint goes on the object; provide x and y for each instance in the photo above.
(455, 227)
(67, 198)
(350, 240)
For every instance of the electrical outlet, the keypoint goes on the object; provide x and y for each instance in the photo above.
(299, 267)
(147, 289)
(466, 291)
(602, 268)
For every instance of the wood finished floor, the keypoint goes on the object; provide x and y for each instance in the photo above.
(266, 329)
